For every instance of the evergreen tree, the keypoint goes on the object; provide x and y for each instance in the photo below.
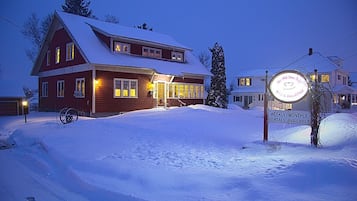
(217, 95)
(144, 26)
(77, 7)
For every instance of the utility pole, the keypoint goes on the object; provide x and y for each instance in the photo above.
(265, 137)
(315, 111)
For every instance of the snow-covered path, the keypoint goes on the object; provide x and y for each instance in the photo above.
(191, 153)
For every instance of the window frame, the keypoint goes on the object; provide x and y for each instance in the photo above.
(122, 49)
(242, 81)
(179, 90)
(174, 56)
(58, 55)
(48, 58)
(82, 88)
(157, 53)
(130, 83)
(44, 89)
(60, 88)
(70, 51)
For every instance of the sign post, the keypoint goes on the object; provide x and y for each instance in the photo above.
(265, 137)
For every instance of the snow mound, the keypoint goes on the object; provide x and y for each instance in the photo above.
(339, 130)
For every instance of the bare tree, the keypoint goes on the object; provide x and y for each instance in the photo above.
(35, 32)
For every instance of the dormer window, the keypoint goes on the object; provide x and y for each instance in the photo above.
(152, 52)
(245, 81)
(121, 47)
(177, 56)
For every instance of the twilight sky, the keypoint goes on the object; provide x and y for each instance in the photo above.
(254, 34)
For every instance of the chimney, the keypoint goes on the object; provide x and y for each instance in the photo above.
(310, 51)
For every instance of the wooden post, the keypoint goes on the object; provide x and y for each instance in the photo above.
(265, 137)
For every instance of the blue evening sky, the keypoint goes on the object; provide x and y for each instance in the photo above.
(253, 33)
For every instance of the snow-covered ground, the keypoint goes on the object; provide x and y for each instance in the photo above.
(195, 153)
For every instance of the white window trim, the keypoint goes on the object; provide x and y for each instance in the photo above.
(189, 93)
(151, 56)
(60, 84)
(174, 56)
(58, 52)
(121, 47)
(44, 89)
(122, 87)
(79, 94)
(70, 48)
(48, 58)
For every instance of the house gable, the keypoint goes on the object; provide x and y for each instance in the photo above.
(58, 36)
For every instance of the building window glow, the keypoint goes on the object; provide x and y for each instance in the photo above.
(125, 88)
(58, 55)
(244, 81)
(185, 91)
(121, 47)
(69, 51)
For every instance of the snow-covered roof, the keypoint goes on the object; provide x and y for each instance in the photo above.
(305, 64)
(116, 30)
(96, 52)
(308, 63)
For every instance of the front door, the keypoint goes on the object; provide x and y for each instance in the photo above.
(161, 95)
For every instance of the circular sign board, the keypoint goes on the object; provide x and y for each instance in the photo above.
(289, 86)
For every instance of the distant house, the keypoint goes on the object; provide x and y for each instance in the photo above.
(11, 97)
(249, 86)
(100, 67)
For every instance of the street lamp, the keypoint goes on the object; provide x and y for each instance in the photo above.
(25, 109)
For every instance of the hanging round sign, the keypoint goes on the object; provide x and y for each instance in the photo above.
(289, 86)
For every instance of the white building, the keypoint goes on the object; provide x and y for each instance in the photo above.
(249, 86)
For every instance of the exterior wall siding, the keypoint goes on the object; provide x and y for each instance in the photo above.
(60, 39)
(54, 103)
(11, 106)
(105, 101)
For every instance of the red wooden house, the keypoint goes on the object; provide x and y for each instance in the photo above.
(100, 67)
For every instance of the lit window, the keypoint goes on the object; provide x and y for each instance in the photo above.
(312, 77)
(325, 78)
(121, 47)
(48, 58)
(44, 91)
(177, 56)
(60, 88)
(151, 52)
(186, 91)
(79, 91)
(244, 81)
(58, 55)
(125, 88)
(69, 51)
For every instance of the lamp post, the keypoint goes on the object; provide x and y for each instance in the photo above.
(25, 109)
(265, 137)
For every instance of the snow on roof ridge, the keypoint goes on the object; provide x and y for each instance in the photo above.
(120, 31)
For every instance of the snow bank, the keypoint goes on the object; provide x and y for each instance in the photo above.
(339, 130)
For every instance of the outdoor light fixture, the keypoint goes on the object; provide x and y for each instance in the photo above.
(25, 108)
